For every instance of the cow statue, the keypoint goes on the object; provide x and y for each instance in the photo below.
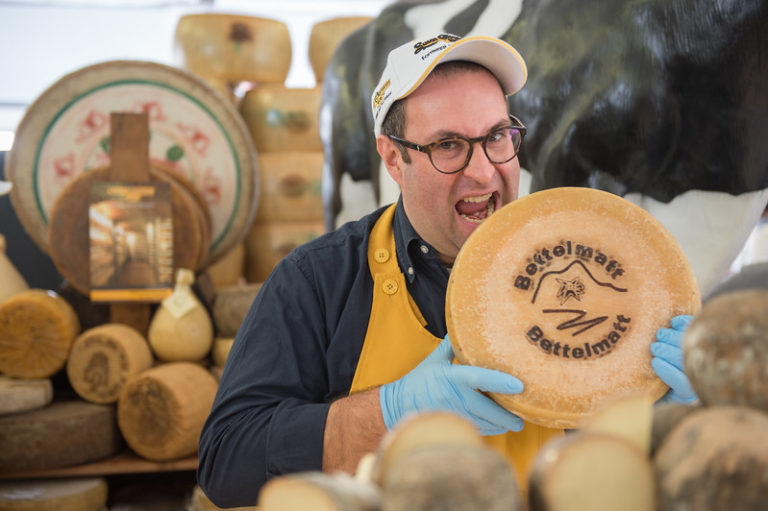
(663, 102)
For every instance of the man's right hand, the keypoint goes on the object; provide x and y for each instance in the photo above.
(438, 384)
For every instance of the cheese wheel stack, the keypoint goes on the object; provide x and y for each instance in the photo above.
(37, 329)
(162, 410)
(103, 358)
(283, 123)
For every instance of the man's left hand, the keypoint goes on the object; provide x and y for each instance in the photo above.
(667, 361)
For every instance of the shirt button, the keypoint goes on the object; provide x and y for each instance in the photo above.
(410, 270)
(389, 286)
(424, 249)
(381, 255)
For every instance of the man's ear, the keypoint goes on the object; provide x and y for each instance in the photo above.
(390, 157)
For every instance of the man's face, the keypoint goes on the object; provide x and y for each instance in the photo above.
(446, 208)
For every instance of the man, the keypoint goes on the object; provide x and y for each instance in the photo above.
(348, 334)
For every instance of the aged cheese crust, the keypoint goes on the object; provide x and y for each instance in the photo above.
(565, 289)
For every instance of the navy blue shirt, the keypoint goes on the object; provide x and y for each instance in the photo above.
(297, 350)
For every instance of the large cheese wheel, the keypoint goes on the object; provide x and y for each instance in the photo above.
(268, 242)
(566, 289)
(231, 305)
(283, 119)
(62, 434)
(194, 132)
(291, 185)
(233, 47)
(36, 332)
(11, 281)
(24, 395)
(83, 494)
(104, 358)
(325, 38)
(162, 410)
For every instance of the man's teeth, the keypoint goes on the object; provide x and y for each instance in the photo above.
(488, 210)
(479, 198)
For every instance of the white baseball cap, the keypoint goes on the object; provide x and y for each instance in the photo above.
(410, 64)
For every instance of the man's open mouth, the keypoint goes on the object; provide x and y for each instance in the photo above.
(477, 208)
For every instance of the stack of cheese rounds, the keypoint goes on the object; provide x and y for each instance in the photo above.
(566, 289)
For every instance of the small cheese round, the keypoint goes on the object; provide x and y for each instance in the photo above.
(18, 395)
(82, 494)
(565, 289)
(104, 358)
(37, 329)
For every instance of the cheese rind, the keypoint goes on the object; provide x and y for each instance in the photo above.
(37, 329)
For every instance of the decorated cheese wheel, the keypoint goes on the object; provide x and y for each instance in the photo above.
(566, 289)
(269, 242)
(62, 434)
(37, 329)
(291, 185)
(283, 119)
(104, 358)
(326, 36)
(81, 494)
(233, 47)
(11, 281)
(162, 410)
(195, 131)
(18, 395)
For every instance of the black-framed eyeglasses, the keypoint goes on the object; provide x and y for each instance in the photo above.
(452, 154)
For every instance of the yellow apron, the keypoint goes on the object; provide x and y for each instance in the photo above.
(397, 341)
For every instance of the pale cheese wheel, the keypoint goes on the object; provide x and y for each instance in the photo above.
(565, 289)
(82, 494)
(104, 358)
(283, 119)
(24, 395)
(291, 186)
(162, 410)
(326, 36)
(62, 434)
(37, 329)
(318, 491)
(233, 47)
(220, 351)
(267, 243)
(201, 502)
(11, 281)
(231, 305)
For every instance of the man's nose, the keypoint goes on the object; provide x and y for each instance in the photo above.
(479, 167)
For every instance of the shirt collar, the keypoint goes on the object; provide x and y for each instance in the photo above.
(408, 243)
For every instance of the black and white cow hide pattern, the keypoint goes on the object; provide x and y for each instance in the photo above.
(663, 102)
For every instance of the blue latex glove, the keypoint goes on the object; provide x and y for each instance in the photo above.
(667, 361)
(437, 384)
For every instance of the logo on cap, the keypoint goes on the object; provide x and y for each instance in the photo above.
(379, 96)
(448, 38)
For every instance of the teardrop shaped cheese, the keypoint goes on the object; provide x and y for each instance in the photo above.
(36, 332)
(104, 358)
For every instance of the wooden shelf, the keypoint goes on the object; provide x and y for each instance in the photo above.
(126, 462)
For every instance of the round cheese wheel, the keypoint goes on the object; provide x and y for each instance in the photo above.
(228, 270)
(193, 130)
(62, 434)
(82, 494)
(231, 305)
(566, 289)
(291, 186)
(220, 351)
(283, 119)
(24, 395)
(104, 358)
(36, 332)
(325, 38)
(233, 47)
(268, 242)
(162, 410)
(200, 502)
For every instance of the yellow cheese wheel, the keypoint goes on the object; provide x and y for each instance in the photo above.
(233, 47)
(62, 434)
(283, 119)
(83, 494)
(228, 270)
(103, 358)
(11, 281)
(24, 395)
(36, 332)
(290, 186)
(220, 352)
(566, 289)
(268, 242)
(325, 38)
(162, 410)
